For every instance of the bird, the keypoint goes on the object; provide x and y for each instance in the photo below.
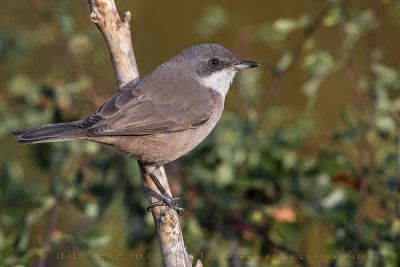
(163, 116)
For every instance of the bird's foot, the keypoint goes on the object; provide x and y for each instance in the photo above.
(164, 198)
(170, 202)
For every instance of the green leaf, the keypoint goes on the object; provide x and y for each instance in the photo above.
(6, 250)
(289, 159)
(390, 257)
(80, 44)
(383, 103)
(194, 229)
(287, 232)
(10, 47)
(277, 31)
(317, 62)
(386, 76)
(32, 217)
(284, 62)
(94, 239)
(360, 24)
(47, 204)
(385, 123)
(334, 199)
(67, 24)
(91, 209)
(250, 86)
(21, 85)
(396, 105)
(214, 18)
(395, 229)
(334, 16)
(284, 26)
(224, 174)
(310, 87)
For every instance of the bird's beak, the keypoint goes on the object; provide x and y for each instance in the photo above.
(245, 64)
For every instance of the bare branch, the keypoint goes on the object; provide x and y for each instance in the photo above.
(398, 171)
(366, 153)
(167, 222)
(117, 34)
(296, 52)
(199, 264)
(347, 52)
(52, 228)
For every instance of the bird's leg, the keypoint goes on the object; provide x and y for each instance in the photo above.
(165, 198)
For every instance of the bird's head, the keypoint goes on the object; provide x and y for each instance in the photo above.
(214, 66)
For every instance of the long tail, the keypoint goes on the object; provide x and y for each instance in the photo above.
(50, 133)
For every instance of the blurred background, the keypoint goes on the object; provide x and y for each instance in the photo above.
(302, 169)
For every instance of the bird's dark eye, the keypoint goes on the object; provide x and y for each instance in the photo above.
(214, 62)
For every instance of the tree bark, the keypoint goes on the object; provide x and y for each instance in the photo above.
(117, 35)
(173, 251)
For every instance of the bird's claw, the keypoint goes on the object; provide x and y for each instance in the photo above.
(169, 202)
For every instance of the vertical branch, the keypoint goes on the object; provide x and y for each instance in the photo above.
(373, 59)
(347, 50)
(398, 171)
(173, 251)
(117, 35)
(396, 118)
(52, 228)
(366, 154)
(362, 147)
(296, 52)
(354, 80)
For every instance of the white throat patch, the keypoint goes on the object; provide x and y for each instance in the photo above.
(219, 81)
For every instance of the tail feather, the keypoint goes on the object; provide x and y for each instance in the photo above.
(50, 133)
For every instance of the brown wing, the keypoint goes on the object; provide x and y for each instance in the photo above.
(146, 109)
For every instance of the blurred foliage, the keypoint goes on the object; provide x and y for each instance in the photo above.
(267, 182)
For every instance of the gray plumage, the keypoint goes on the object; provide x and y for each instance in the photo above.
(164, 116)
